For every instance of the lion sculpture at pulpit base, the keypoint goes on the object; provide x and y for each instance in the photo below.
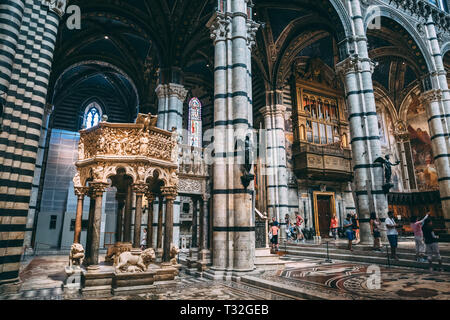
(132, 263)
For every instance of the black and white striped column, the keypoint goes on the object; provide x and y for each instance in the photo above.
(437, 102)
(22, 121)
(171, 98)
(357, 77)
(277, 184)
(233, 221)
(11, 13)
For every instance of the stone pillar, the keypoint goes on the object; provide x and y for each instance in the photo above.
(80, 192)
(128, 215)
(97, 192)
(204, 213)
(160, 227)
(194, 242)
(170, 106)
(233, 222)
(140, 190)
(151, 198)
(170, 193)
(121, 198)
(87, 247)
(437, 103)
(277, 186)
(356, 72)
(26, 53)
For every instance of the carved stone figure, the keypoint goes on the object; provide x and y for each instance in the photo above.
(76, 255)
(387, 167)
(114, 252)
(129, 262)
(173, 253)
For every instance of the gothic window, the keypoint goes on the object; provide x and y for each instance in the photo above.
(92, 115)
(195, 122)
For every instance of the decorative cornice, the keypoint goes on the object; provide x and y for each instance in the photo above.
(57, 6)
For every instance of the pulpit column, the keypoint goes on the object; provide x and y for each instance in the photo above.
(121, 198)
(151, 198)
(194, 242)
(97, 190)
(139, 189)
(160, 223)
(90, 225)
(170, 194)
(127, 215)
(204, 213)
(80, 192)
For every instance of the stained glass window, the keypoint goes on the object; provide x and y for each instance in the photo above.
(195, 122)
(92, 115)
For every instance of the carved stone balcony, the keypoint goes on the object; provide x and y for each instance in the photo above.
(193, 170)
(423, 9)
(323, 162)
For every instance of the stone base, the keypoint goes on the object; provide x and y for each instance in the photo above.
(167, 272)
(97, 282)
(10, 286)
(125, 291)
(123, 280)
(96, 292)
(72, 284)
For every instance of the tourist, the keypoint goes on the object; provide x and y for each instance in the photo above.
(392, 234)
(288, 224)
(348, 227)
(416, 227)
(431, 243)
(334, 226)
(144, 240)
(355, 227)
(375, 229)
(274, 232)
(298, 222)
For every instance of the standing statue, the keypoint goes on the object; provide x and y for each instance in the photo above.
(387, 167)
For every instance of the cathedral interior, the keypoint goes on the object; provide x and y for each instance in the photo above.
(184, 127)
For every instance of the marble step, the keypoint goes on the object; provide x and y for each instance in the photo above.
(380, 260)
(404, 255)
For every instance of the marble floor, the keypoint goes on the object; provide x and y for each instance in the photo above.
(42, 279)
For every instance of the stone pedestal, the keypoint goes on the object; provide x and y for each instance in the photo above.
(167, 272)
(126, 283)
(72, 284)
(97, 282)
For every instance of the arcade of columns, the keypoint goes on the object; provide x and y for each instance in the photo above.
(233, 32)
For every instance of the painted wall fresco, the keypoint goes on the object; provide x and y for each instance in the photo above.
(422, 154)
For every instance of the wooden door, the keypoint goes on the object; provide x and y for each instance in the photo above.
(324, 214)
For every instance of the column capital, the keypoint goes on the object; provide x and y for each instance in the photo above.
(252, 28)
(139, 188)
(150, 196)
(354, 64)
(57, 6)
(177, 90)
(431, 96)
(97, 188)
(273, 111)
(162, 91)
(170, 192)
(219, 26)
(81, 191)
(206, 197)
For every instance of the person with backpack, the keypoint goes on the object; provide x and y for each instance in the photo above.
(298, 222)
(274, 228)
(431, 243)
(348, 227)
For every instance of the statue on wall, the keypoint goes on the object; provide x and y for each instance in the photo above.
(387, 171)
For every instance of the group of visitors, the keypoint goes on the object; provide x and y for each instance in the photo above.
(293, 230)
(426, 241)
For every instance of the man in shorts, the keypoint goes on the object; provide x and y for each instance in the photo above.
(392, 234)
(348, 227)
(431, 243)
